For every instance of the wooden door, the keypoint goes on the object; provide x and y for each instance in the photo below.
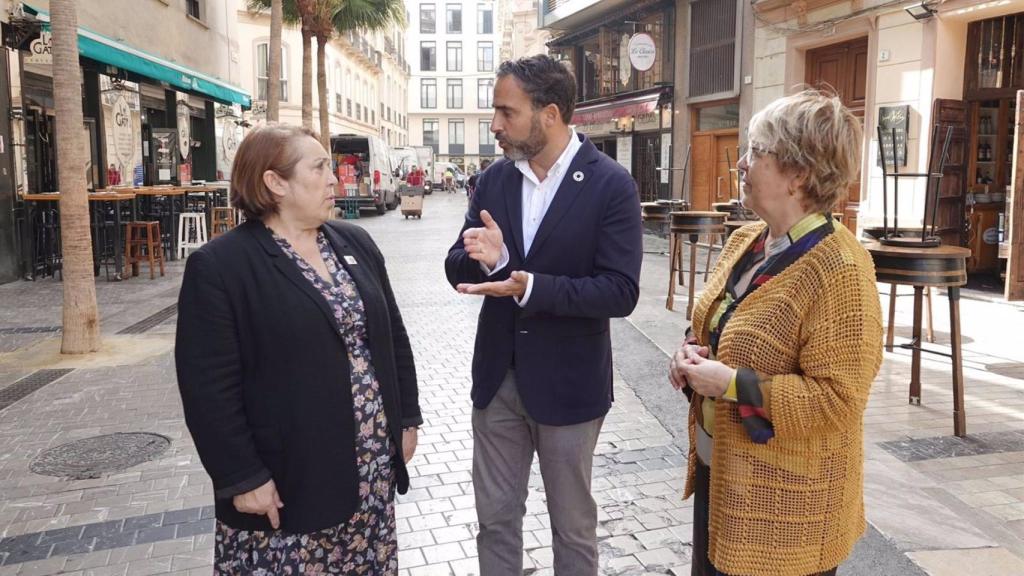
(843, 69)
(714, 156)
(949, 219)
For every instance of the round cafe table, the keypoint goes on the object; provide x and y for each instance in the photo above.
(940, 267)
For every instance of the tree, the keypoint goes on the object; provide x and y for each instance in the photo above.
(338, 17)
(323, 19)
(294, 12)
(274, 66)
(81, 320)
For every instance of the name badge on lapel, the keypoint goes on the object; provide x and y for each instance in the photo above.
(350, 260)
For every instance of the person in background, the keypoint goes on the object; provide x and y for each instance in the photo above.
(296, 373)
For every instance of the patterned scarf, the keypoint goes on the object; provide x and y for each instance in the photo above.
(803, 237)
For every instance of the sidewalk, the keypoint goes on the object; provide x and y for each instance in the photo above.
(931, 501)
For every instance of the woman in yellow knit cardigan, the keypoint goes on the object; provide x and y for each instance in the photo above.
(785, 342)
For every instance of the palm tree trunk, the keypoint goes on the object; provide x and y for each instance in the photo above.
(274, 68)
(321, 84)
(307, 77)
(81, 317)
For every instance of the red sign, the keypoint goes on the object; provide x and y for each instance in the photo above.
(606, 112)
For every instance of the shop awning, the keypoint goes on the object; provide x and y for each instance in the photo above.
(605, 112)
(109, 51)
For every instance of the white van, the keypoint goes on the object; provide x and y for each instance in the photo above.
(403, 158)
(426, 163)
(441, 167)
(364, 169)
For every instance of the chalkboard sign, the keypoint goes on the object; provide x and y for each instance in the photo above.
(897, 117)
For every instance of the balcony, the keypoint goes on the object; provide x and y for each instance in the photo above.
(572, 14)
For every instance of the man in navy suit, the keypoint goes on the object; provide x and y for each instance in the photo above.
(553, 241)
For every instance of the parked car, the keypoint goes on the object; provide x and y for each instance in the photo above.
(425, 154)
(365, 171)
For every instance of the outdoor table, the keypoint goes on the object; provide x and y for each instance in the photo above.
(113, 197)
(941, 266)
(212, 196)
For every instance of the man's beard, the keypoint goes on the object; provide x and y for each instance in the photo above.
(525, 149)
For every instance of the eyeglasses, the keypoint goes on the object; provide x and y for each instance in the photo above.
(756, 152)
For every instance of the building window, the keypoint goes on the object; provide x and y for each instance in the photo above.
(430, 136)
(195, 8)
(485, 19)
(338, 101)
(485, 56)
(456, 137)
(454, 93)
(485, 93)
(263, 65)
(428, 56)
(359, 111)
(454, 18)
(428, 19)
(348, 107)
(428, 93)
(454, 61)
(486, 137)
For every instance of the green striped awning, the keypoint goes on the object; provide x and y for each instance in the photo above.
(109, 51)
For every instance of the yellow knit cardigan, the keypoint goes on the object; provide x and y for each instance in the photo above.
(793, 506)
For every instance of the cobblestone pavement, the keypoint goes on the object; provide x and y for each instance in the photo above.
(930, 496)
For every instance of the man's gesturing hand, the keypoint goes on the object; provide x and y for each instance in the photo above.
(514, 286)
(484, 244)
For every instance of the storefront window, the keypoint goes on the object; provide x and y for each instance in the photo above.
(603, 64)
(996, 53)
(724, 117)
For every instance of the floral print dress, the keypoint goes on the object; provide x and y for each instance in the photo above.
(367, 543)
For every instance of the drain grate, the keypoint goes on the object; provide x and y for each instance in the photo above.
(92, 457)
(151, 321)
(30, 384)
(29, 330)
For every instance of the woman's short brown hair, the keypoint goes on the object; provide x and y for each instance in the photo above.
(265, 148)
(813, 134)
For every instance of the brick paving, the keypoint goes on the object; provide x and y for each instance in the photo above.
(154, 518)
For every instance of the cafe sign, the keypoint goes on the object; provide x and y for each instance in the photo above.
(41, 49)
(123, 131)
(642, 52)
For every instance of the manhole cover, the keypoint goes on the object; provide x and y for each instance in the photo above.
(98, 455)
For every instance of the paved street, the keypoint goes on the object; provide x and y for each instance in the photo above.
(934, 502)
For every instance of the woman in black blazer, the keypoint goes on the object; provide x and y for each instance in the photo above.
(296, 373)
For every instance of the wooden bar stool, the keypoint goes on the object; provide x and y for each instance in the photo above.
(143, 243)
(191, 232)
(223, 220)
(692, 225)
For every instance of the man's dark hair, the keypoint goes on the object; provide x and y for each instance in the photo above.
(546, 81)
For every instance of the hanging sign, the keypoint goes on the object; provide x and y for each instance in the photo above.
(184, 125)
(123, 131)
(642, 52)
(40, 51)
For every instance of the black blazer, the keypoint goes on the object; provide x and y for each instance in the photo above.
(264, 374)
(585, 260)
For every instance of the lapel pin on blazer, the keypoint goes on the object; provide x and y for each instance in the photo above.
(350, 260)
(577, 176)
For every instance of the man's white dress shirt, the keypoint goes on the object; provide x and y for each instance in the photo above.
(537, 197)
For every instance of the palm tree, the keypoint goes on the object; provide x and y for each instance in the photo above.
(341, 16)
(295, 12)
(81, 317)
(274, 67)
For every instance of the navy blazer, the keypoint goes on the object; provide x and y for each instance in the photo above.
(265, 378)
(585, 261)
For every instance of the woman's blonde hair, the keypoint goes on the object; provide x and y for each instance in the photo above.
(812, 134)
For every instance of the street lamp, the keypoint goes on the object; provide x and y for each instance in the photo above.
(920, 11)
